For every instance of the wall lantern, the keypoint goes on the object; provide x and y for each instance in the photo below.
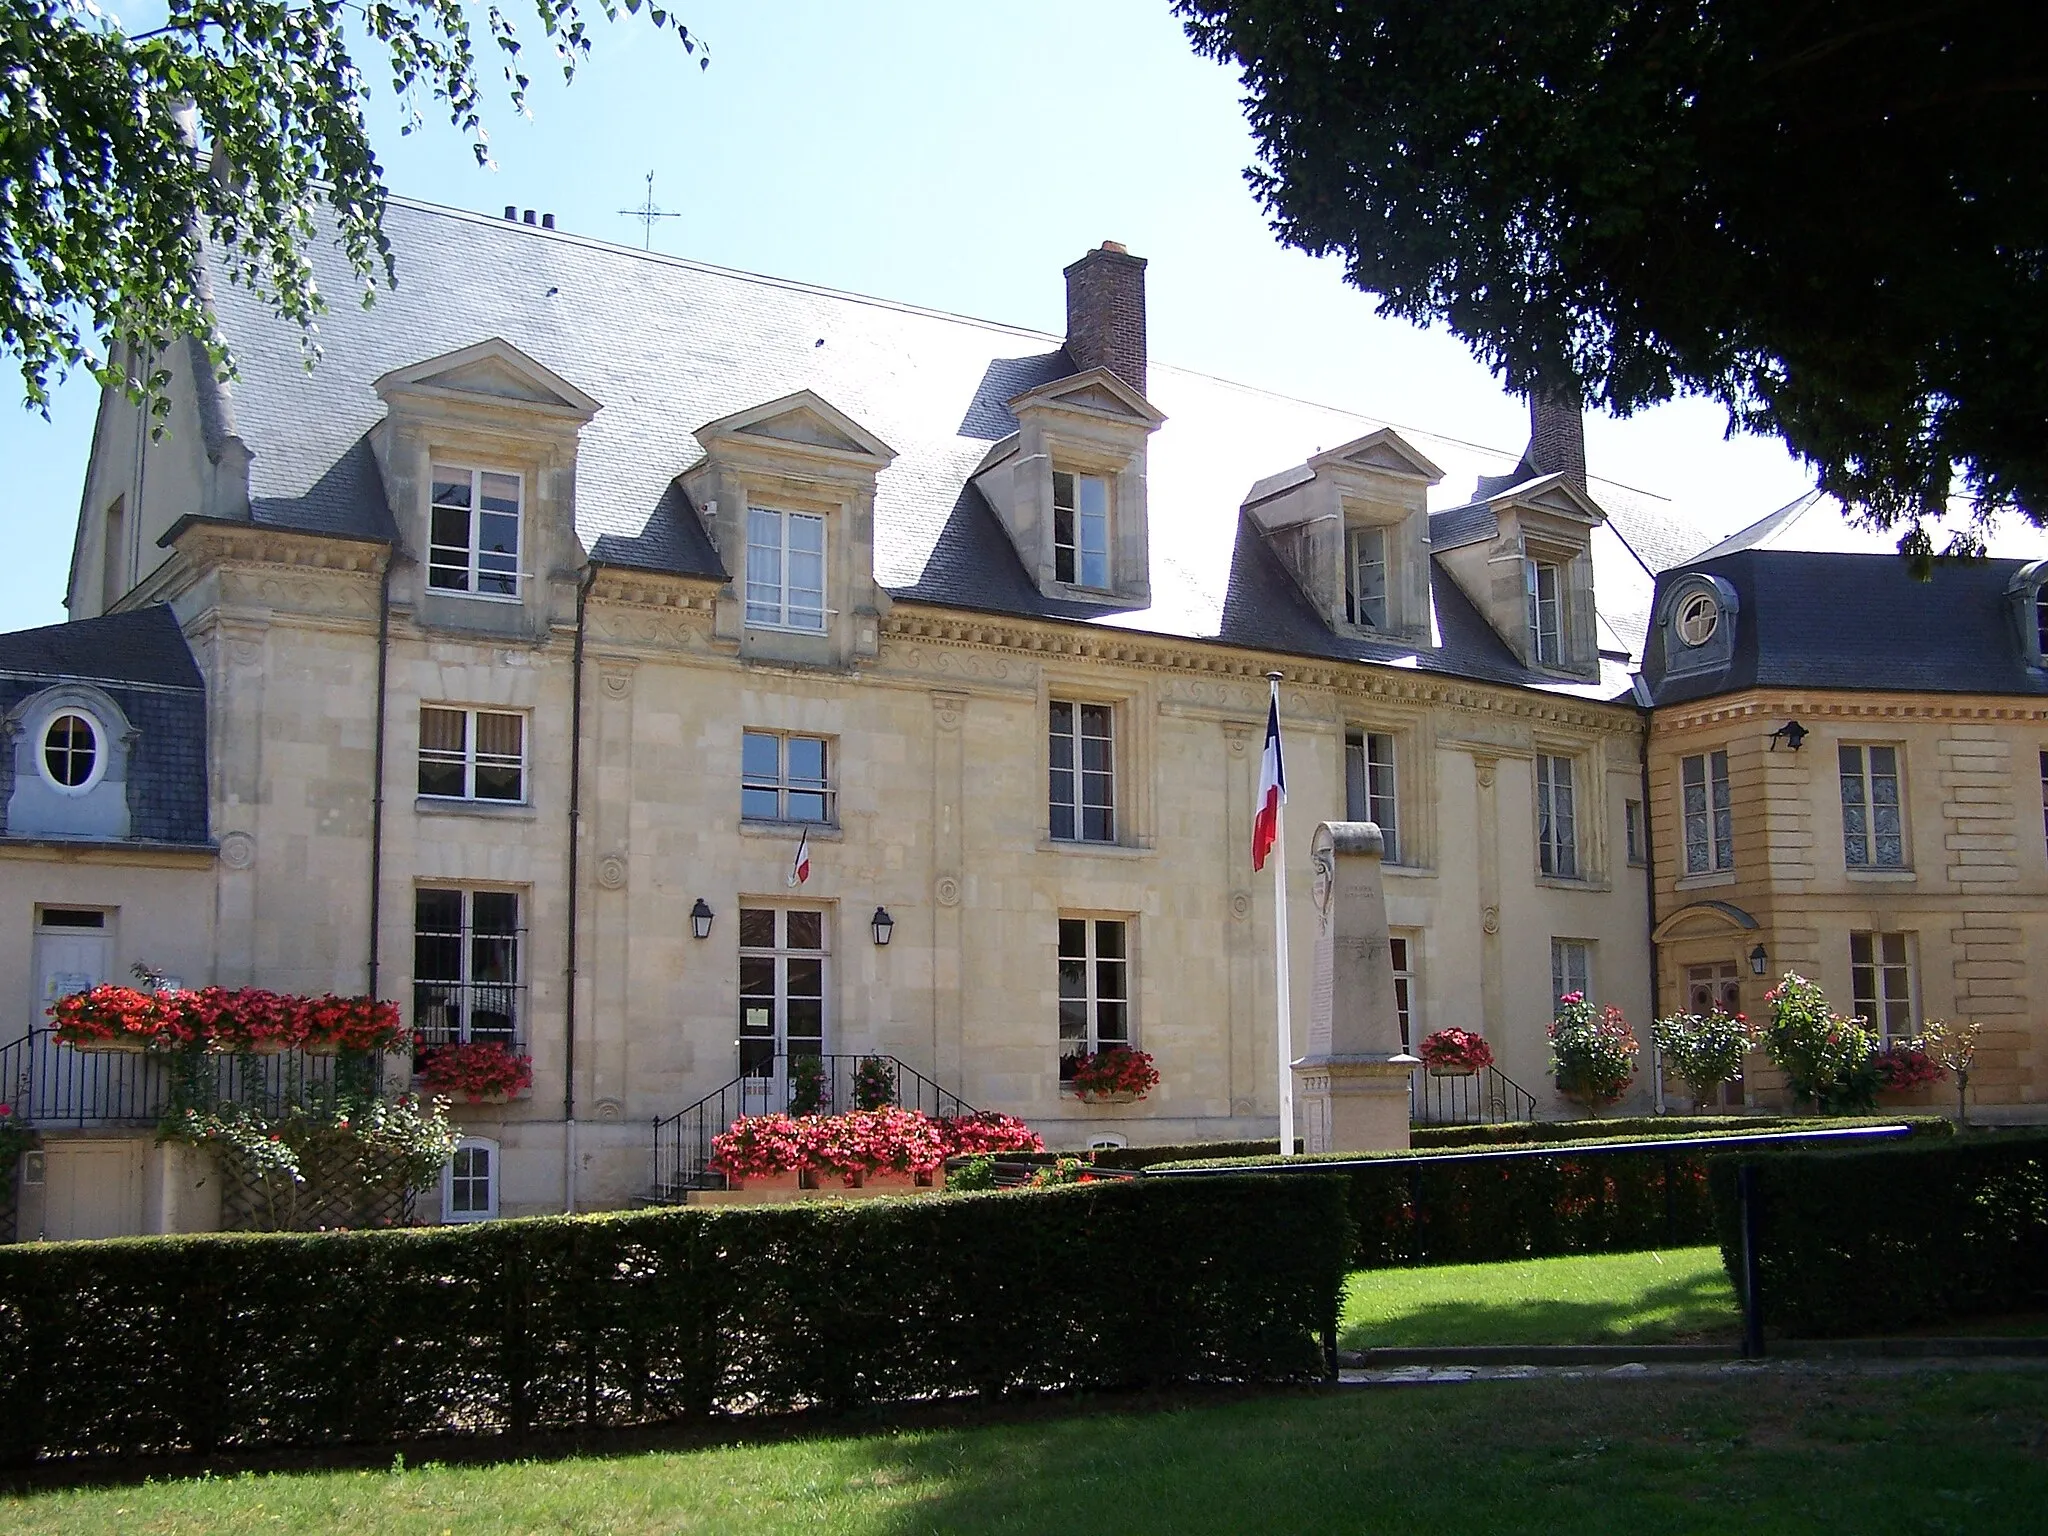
(882, 924)
(1792, 733)
(1758, 961)
(700, 919)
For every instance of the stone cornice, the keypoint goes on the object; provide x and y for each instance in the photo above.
(1775, 707)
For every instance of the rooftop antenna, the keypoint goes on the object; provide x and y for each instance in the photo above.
(647, 213)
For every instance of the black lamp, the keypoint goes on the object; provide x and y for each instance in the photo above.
(700, 919)
(882, 924)
(1792, 733)
(1758, 961)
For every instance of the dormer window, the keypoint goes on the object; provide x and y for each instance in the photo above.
(1080, 530)
(71, 752)
(1365, 590)
(1698, 617)
(1545, 585)
(785, 570)
(473, 532)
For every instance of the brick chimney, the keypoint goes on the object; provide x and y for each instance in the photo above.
(1557, 435)
(1106, 313)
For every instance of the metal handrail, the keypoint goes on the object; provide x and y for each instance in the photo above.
(682, 1141)
(1486, 1097)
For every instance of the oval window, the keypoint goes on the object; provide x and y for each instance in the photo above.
(71, 750)
(1698, 617)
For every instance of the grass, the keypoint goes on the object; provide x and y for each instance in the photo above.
(1679, 1296)
(1759, 1452)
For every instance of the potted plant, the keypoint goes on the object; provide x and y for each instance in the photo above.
(1455, 1053)
(760, 1152)
(874, 1083)
(809, 1091)
(1592, 1052)
(1118, 1075)
(111, 1018)
(1828, 1058)
(481, 1071)
(1905, 1072)
(331, 1025)
(1954, 1049)
(1703, 1050)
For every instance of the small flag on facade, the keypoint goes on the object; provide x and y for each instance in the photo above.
(1272, 788)
(800, 866)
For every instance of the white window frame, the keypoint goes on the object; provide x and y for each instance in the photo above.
(1707, 813)
(783, 785)
(1697, 619)
(1864, 848)
(492, 1179)
(1884, 981)
(1564, 975)
(1084, 560)
(779, 953)
(772, 594)
(1557, 852)
(1372, 784)
(1634, 826)
(1365, 551)
(1079, 778)
(473, 573)
(1404, 948)
(1097, 969)
(1546, 613)
(101, 748)
(471, 756)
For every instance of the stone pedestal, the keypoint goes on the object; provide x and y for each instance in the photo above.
(1351, 1085)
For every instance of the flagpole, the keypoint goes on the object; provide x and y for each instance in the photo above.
(1284, 1004)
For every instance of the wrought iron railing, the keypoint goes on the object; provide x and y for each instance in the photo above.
(1486, 1097)
(682, 1141)
(46, 1084)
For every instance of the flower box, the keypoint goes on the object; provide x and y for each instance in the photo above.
(1455, 1053)
(890, 1178)
(1113, 1096)
(767, 1183)
(118, 1045)
(1452, 1072)
(1118, 1075)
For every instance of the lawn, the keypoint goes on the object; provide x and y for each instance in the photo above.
(1739, 1454)
(1680, 1296)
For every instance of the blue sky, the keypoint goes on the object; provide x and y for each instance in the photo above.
(955, 156)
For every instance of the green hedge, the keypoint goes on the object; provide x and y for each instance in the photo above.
(147, 1345)
(1432, 1208)
(1523, 1132)
(1873, 1240)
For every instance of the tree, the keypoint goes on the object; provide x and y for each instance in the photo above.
(1832, 217)
(121, 152)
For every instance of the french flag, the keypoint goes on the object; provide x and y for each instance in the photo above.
(1272, 788)
(800, 866)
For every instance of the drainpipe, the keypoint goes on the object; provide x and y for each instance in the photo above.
(575, 830)
(1642, 693)
(377, 782)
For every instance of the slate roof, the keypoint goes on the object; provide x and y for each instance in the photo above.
(1859, 622)
(141, 661)
(666, 345)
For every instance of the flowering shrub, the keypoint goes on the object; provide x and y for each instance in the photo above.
(405, 1141)
(1704, 1051)
(1827, 1057)
(1116, 1070)
(1592, 1053)
(809, 1088)
(476, 1069)
(1456, 1050)
(1905, 1064)
(862, 1142)
(225, 1019)
(1068, 1170)
(874, 1083)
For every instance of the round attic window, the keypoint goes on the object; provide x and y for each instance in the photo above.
(71, 751)
(1698, 617)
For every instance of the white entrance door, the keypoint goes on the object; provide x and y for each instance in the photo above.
(92, 1188)
(782, 999)
(74, 953)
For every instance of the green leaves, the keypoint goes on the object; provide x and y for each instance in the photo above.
(123, 156)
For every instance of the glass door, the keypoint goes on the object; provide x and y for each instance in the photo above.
(783, 957)
(1708, 987)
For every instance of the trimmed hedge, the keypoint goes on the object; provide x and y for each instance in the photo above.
(148, 1345)
(1432, 1207)
(1873, 1240)
(1524, 1132)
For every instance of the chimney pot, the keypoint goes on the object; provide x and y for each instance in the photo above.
(547, 221)
(511, 214)
(1106, 313)
(528, 216)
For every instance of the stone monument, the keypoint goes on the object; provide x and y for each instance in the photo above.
(1351, 1085)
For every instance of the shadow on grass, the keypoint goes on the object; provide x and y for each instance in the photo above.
(1695, 1309)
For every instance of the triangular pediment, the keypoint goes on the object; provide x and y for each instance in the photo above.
(1553, 494)
(805, 421)
(1096, 391)
(1381, 452)
(492, 370)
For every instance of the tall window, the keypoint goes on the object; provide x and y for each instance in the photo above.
(1557, 836)
(473, 533)
(782, 986)
(466, 982)
(114, 555)
(1369, 792)
(785, 778)
(472, 754)
(1635, 832)
(1083, 757)
(1095, 988)
(1545, 582)
(1881, 979)
(1709, 818)
(2044, 793)
(1707, 987)
(1365, 586)
(1404, 987)
(1080, 529)
(1873, 825)
(469, 1184)
(1571, 969)
(785, 570)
